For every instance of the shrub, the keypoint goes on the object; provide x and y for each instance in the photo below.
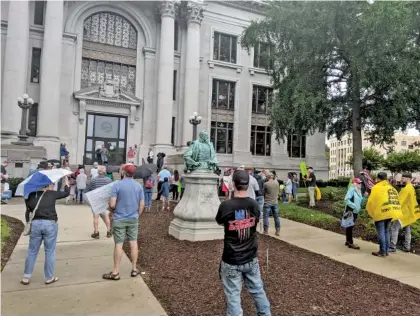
(305, 215)
(321, 183)
(13, 184)
(333, 193)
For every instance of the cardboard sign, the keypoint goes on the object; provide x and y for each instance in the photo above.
(303, 169)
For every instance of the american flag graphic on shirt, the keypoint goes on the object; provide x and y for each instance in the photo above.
(242, 224)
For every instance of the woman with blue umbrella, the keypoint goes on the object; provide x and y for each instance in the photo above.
(41, 215)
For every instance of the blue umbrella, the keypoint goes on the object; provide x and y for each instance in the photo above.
(40, 179)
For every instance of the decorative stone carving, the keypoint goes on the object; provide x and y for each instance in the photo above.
(107, 95)
(82, 111)
(194, 12)
(168, 8)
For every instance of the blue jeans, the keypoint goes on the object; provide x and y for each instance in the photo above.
(232, 275)
(382, 228)
(274, 208)
(260, 201)
(79, 195)
(42, 230)
(148, 198)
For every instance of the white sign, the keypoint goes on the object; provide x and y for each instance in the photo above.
(98, 199)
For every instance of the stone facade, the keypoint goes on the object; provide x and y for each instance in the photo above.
(148, 103)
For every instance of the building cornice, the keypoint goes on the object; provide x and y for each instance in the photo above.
(250, 6)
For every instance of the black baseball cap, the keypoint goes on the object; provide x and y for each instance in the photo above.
(240, 177)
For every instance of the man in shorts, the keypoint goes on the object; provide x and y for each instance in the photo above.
(126, 204)
(99, 181)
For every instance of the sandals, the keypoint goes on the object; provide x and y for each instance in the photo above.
(111, 276)
(53, 280)
(134, 273)
(23, 282)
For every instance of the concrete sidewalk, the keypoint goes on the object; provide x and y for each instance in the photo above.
(403, 267)
(80, 263)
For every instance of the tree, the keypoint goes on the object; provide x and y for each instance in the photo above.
(342, 67)
(405, 161)
(371, 159)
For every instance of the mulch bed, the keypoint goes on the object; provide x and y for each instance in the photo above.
(360, 229)
(184, 277)
(15, 227)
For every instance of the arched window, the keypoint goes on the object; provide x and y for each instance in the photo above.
(109, 52)
(110, 29)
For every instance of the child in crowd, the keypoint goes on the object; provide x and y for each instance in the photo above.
(72, 184)
(81, 182)
(164, 193)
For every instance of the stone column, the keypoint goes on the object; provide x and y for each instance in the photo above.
(165, 80)
(15, 67)
(192, 74)
(49, 105)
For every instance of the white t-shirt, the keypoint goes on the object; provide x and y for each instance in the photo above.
(252, 187)
(93, 173)
(150, 154)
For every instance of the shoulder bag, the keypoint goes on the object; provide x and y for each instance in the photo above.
(27, 229)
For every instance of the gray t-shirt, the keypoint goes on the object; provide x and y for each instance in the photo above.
(271, 192)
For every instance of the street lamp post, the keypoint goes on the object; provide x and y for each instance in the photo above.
(195, 120)
(25, 104)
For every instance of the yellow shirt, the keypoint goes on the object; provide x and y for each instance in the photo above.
(409, 205)
(384, 203)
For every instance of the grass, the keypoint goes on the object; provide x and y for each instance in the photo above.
(305, 215)
(5, 232)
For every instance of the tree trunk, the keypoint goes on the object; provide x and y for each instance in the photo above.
(356, 129)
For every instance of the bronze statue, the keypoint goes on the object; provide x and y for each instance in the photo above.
(200, 154)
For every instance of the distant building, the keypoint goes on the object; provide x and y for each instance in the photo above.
(342, 150)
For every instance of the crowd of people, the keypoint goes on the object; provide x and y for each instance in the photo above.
(249, 198)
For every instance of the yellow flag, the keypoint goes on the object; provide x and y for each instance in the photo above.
(408, 205)
(384, 203)
(318, 194)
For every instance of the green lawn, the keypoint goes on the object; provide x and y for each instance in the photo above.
(305, 215)
(4, 231)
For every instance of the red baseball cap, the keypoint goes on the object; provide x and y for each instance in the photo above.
(130, 169)
(357, 180)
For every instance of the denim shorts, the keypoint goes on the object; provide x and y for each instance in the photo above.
(125, 228)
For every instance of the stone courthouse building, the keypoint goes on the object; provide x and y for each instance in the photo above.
(125, 73)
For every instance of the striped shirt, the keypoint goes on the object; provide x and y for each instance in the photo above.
(97, 182)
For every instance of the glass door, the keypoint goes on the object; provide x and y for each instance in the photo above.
(105, 134)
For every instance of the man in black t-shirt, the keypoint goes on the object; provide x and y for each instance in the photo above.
(240, 217)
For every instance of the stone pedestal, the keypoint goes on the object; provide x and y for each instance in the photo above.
(195, 213)
(22, 158)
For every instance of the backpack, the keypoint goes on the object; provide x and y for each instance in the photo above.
(149, 183)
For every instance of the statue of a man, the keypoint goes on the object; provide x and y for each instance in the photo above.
(200, 154)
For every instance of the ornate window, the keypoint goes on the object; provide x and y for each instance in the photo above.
(222, 137)
(223, 95)
(225, 47)
(111, 29)
(260, 140)
(96, 72)
(261, 99)
(109, 52)
(296, 146)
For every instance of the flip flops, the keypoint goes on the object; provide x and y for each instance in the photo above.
(134, 273)
(111, 276)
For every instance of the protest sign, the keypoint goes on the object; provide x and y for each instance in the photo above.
(98, 199)
(303, 169)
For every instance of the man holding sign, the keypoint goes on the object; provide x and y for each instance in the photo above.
(311, 183)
